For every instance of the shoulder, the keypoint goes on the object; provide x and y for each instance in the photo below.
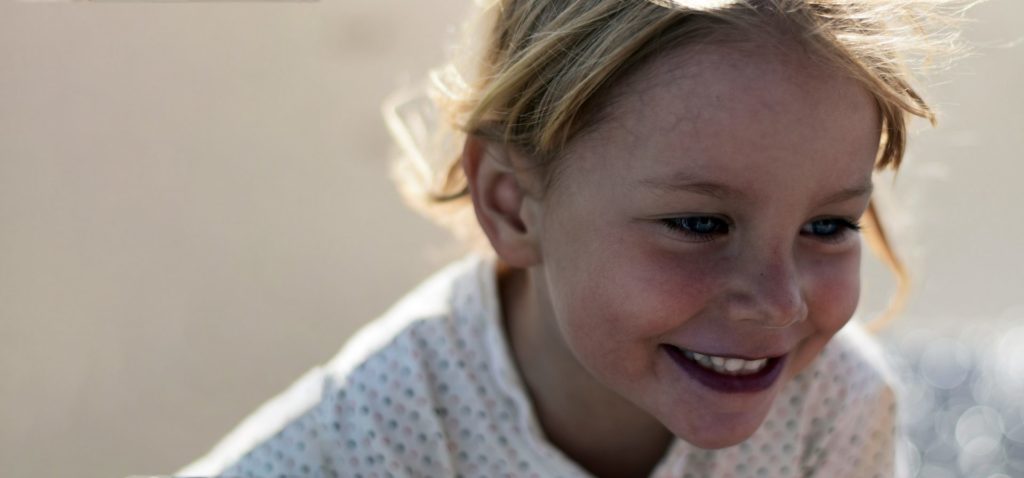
(427, 309)
(854, 411)
(417, 392)
(853, 367)
(434, 335)
(352, 410)
(850, 375)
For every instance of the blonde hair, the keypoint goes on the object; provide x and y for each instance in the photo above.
(541, 75)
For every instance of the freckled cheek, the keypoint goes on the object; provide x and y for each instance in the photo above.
(620, 313)
(833, 291)
(649, 292)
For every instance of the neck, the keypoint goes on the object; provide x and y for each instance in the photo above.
(598, 429)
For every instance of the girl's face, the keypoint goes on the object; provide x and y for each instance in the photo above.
(710, 211)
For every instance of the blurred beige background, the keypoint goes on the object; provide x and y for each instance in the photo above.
(194, 210)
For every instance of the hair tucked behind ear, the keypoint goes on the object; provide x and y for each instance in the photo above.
(532, 74)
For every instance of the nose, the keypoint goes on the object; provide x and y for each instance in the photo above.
(768, 289)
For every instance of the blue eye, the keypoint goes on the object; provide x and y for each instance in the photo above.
(698, 227)
(705, 228)
(832, 230)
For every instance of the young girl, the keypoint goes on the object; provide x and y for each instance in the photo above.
(670, 192)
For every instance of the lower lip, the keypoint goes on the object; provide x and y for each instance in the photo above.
(755, 382)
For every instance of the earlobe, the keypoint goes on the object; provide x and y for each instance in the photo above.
(500, 201)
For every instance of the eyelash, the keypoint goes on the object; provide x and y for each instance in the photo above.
(844, 227)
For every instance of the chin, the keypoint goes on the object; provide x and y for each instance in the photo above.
(717, 441)
(719, 437)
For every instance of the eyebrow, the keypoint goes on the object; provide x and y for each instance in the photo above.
(682, 182)
(861, 190)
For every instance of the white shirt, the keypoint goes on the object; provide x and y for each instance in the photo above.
(430, 390)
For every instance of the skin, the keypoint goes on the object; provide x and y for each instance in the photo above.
(773, 146)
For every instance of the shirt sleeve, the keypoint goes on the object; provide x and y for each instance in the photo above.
(281, 438)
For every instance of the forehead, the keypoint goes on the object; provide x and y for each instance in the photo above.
(735, 112)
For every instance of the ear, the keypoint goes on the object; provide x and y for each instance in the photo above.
(503, 206)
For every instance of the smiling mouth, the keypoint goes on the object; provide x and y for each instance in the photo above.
(727, 366)
(728, 374)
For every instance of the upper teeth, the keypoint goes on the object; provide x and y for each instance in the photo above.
(728, 366)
